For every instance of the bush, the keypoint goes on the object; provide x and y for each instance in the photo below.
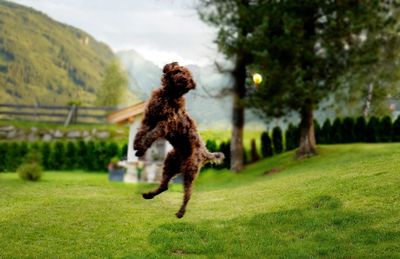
(336, 135)
(292, 136)
(112, 150)
(90, 157)
(317, 132)
(12, 157)
(101, 159)
(57, 157)
(225, 148)
(360, 128)
(277, 140)
(124, 152)
(46, 155)
(31, 171)
(385, 129)
(326, 132)
(372, 130)
(266, 145)
(396, 129)
(253, 152)
(81, 152)
(3, 156)
(70, 156)
(348, 135)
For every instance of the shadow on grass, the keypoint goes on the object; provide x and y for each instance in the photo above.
(321, 228)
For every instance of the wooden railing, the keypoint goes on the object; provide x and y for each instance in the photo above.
(55, 114)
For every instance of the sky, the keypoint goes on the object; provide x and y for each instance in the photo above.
(160, 30)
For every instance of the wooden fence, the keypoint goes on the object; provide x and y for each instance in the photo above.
(55, 114)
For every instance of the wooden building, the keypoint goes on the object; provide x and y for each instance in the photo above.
(149, 167)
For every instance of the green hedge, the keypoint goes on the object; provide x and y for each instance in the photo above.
(346, 130)
(61, 155)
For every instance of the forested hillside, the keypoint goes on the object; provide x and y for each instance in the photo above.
(47, 62)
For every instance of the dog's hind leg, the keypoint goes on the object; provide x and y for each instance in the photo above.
(188, 179)
(171, 168)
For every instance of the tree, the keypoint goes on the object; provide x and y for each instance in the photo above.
(46, 155)
(266, 145)
(235, 21)
(277, 140)
(306, 48)
(336, 131)
(113, 86)
(70, 156)
(385, 129)
(253, 151)
(291, 137)
(348, 130)
(57, 156)
(396, 130)
(326, 132)
(372, 129)
(360, 129)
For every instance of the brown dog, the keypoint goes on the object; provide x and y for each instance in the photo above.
(165, 117)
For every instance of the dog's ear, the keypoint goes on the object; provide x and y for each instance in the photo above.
(168, 67)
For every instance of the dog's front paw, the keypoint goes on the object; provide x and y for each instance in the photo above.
(148, 196)
(139, 153)
(180, 214)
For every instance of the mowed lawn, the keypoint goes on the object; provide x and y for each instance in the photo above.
(341, 203)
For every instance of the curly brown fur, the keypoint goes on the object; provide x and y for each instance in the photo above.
(165, 117)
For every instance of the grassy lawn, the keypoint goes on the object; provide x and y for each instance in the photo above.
(343, 203)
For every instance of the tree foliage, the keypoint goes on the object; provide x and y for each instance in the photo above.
(305, 49)
(114, 84)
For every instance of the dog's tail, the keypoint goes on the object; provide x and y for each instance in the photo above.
(214, 158)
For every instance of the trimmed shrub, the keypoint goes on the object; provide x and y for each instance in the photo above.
(360, 130)
(3, 156)
(90, 157)
(81, 152)
(112, 150)
(292, 136)
(385, 129)
(326, 132)
(225, 147)
(317, 132)
(101, 160)
(396, 130)
(348, 135)
(124, 152)
(336, 136)
(70, 156)
(57, 157)
(30, 171)
(13, 158)
(34, 156)
(277, 140)
(266, 145)
(253, 152)
(372, 130)
(46, 155)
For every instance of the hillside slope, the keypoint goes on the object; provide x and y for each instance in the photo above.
(44, 61)
(343, 203)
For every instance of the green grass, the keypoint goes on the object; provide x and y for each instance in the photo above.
(341, 203)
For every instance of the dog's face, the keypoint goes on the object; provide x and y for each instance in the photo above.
(177, 79)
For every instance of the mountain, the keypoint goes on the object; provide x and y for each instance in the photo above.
(44, 61)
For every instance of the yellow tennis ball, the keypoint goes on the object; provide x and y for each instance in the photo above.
(257, 78)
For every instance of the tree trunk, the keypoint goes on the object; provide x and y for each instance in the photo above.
(307, 145)
(239, 92)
